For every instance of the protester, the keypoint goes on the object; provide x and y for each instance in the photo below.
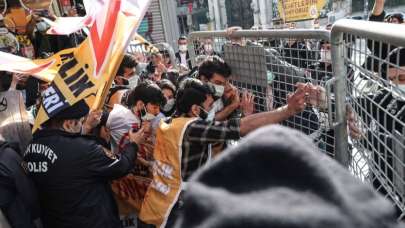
(169, 91)
(216, 73)
(166, 60)
(387, 112)
(249, 186)
(208, 48)
(322, 69)
(188, 135)
(126, 74)
(142, 105)
(296, 53)
(118, 94)
(182, 56)
(71, 171)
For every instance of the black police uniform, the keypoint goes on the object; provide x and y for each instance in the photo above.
(72, 174)
(18, 199)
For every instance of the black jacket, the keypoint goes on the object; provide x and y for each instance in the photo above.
(297, 54)
(178, 58)
(18, 199)
(72, 174)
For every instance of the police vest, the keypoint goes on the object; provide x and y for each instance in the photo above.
(166, 185)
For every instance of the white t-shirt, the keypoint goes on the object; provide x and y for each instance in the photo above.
(183, 59)
(119, 122)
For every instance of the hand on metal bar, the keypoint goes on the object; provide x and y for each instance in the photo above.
(296, 102)
(352, 125)
(315, 95)
(247, 103)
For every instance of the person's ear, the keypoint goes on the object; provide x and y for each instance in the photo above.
(195, 110)
(67, 124)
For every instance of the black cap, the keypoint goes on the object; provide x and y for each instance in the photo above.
(76, 111)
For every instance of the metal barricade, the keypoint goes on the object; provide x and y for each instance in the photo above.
(270, 64)
(377, 104)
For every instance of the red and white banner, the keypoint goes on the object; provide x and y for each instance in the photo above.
(82, 72)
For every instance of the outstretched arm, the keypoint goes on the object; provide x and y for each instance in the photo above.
(295, 104)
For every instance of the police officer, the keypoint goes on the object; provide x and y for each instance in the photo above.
(72, 172)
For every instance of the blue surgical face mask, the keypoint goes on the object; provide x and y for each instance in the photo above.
(270, 77)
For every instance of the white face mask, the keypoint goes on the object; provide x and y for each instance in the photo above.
(148, 116)
(169, 105)
(183, 48)
(216, 107)
(133, 81)
(326, 56)
(208, 48)
(219, 90)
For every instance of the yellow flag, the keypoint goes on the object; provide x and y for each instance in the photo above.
(298, 10)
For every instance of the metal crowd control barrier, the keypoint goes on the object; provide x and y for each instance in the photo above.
(270, 64)
(372, 50)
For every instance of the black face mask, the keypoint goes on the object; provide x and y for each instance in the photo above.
(203, 114)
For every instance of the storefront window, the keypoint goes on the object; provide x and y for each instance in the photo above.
(192, 15)
(239, 13)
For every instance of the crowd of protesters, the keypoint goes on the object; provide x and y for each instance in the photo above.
(157, 112)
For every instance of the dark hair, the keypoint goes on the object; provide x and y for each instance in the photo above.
(5, 80)
(167, 84)
(182, 38)
(191, 92)
(214, 64)
(147, 92)
(398, 16)
(128, 61)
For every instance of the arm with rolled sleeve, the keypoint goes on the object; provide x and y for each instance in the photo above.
(103, 163)
(205, 132)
